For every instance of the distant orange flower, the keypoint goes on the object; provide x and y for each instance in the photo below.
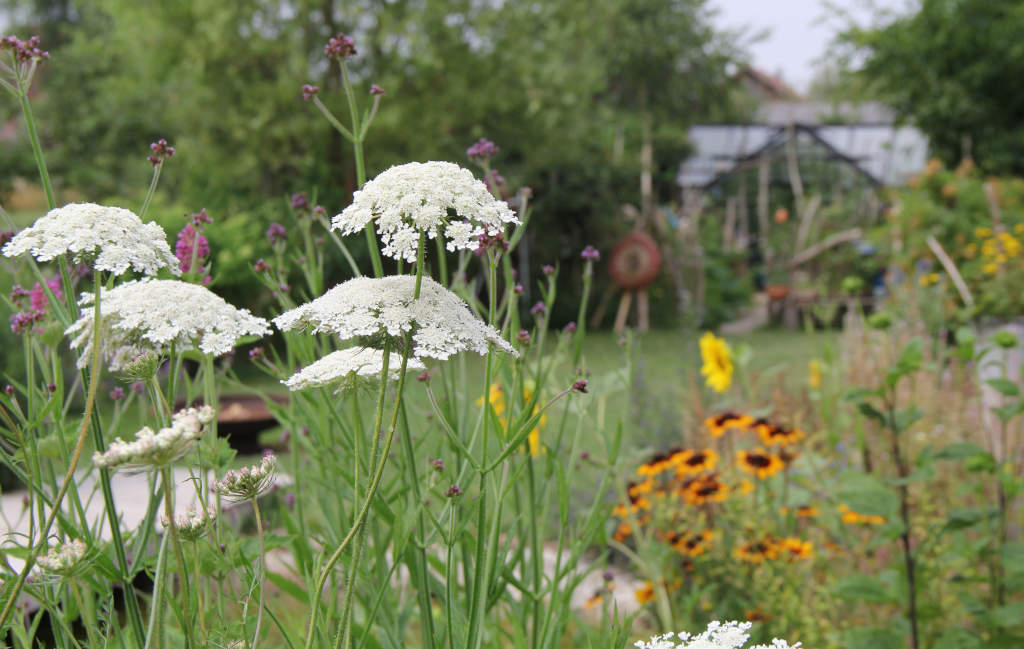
(780, 435)
(794, 548)
(722, 422)
(757, 551)
(595, 600)
(693, 461)
(852, 517)
(706, 489)
(759, 463)
(645, 593)
(623, 532)
(756, 615)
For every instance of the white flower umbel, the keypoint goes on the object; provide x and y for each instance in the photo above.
(417, 197)
(107, 238)
(63, 559)
(192, 525)
(441, 322)
(345, 366)
(155, 450)
(718, 635)
(154, 313)
(248, 482)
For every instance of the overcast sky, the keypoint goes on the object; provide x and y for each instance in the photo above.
(799, 30)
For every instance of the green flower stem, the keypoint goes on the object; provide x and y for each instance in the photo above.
(199, 594)
(263, 571)
(152, 189)
(374, 480)
(581, 318)
(155, 629)
(172, 529)
(33, 137)
(69, 477)
(357, 150)
(478, 593)
(450, 575)
(536, 551)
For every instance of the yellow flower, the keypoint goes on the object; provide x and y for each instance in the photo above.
(852, 517)
(991, 268)
(928, 279)
(717, 358)
(814, 373)
(794, 548)
(982, 232)
(720, 423)
(496, 397)
(645, 594)
(759, 463)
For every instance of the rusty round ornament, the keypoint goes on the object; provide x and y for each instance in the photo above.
(635, 261)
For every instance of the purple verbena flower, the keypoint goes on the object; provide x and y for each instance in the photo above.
(276, 232)
(591, 253)
(117, 393)
(24, 51)
(309, 91)
(579, 385)
(570, 328)
(261, 266)
(161, 151)
(300, 202)
(548, 269)
(37, 296)
(539, 309)
(482, 149)
(340, 46)
(377, 90)
(191, 247)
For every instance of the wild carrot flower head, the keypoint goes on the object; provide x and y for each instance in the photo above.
(440, 321)
(718, 635)
(345, 367)
(248, 482)
(192, 525)
(152, 314)
(156, 449)
(63, 559)
(108, 238)
(420, 197)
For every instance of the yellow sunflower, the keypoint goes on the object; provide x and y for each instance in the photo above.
(757, 551)
(705, 489)
(779, 435)
(794, 548)
(854, 518)
(694, 461)
(645, 593)
(717, 358)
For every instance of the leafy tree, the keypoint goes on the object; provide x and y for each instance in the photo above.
(944, 67)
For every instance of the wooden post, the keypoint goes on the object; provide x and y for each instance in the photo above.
(623, 312)
(643, 315)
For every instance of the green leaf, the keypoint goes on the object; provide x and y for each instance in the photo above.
(871, 412)
(1005, 387)
(958, 639)
(863, 588)
(906, 417)
(962, 518)
(959, 451)
(865, 494)
(1008, 616)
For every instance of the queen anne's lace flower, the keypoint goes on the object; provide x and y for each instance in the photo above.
(152, 314)
(441, 322)
(718, 635)
(157, 449)
(248, 482)
(63, 559)
(345, 366)
(417, 197)
(107, 238)
(192, 525)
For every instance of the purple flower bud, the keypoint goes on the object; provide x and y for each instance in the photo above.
(138, 387)
(518, 289)
(377, 90)
(161, 151)
(24, 51)
(261, 266)
(482, 150)
(191, 246)
(548, 269)
(453, 491)
(438, 464)
(570, 328)
(286, 436)
(256, 354)
(590, 253)
(5, 236)
(284, 288)
(523, 337)
(319, 211)
(340, 46)
(538, 309)
(117, 393)
(607, 576)
(276, 232)
(9, 390)
(299, 202)
(585, 455)
(580, 385)
(423, 378)
(309, 91)
(289, 499)
(200, 217)
(52, 387)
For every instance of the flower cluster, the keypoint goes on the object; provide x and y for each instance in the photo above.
(340, 46)
(35, 311)
(770, 433)
(109, 238)
(482, 149)
(718, 635)
(847, 515)
(154, 450)
(64, 558)
(192, 525)
(161, 150)
(768, 548)
(154, 314)
(24, 51)
(441, 322)
(191, 249)
(345, 366)
(248, 483)
(415, 198)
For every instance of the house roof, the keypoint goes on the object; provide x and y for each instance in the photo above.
(886, 154)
